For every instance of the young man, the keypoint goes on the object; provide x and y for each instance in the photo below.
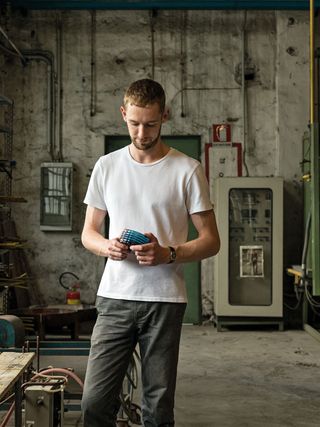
(154, 189)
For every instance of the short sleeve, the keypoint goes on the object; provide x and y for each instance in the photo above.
(198, 195)
(95, 194)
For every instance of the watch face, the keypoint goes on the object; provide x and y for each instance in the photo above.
(173, 254)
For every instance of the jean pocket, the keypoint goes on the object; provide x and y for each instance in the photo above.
(102, 305)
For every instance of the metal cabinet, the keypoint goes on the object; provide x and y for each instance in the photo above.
(249, 268)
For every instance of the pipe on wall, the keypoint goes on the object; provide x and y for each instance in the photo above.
(93, 74)
(47, 57)
(59, 109)
(244, 93)
(15, 51)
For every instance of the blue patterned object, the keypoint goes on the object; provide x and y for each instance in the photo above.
(131, 237)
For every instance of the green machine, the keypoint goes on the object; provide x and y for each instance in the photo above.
(313, 193)
(310, 268)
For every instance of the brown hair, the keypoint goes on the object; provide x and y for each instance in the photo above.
(145, 92)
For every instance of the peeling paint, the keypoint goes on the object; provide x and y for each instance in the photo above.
(210, 54)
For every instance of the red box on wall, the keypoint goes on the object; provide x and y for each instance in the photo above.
(221, 133)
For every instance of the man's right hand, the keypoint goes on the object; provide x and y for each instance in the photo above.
(115, 250)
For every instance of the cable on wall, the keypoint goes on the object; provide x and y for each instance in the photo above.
(244, 94)
(183, 60)
(15, 49)
(59, 109)
(93, 76)
(152, 16)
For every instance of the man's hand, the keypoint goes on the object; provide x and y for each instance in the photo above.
(151, 253)
(115, 250)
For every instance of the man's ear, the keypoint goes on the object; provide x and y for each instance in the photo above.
(165, 115)
(124, 113)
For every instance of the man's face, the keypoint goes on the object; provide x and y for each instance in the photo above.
(144, 125)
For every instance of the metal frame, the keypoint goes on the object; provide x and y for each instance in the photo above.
(222, 307)
(315, 207)
(165, 4)
(44, 225)
(6, 129)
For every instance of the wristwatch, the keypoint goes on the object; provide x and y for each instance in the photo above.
(173, 255)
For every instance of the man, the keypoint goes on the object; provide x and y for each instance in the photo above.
(153, 189)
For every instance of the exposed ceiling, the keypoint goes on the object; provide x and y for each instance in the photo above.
(164, 4)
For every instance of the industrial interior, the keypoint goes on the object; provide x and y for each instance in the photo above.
(242, 83)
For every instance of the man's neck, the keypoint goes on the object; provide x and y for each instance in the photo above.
(149, 156)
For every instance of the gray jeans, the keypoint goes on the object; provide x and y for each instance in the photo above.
(156, 327)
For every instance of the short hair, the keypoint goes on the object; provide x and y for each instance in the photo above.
(145, 92)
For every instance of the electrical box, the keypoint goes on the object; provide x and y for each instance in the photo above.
(44, 406)
(56, 197)
(248, 285)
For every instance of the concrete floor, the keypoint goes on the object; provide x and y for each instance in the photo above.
(243, 378)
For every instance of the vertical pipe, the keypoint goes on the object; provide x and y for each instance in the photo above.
(93, 103)
(152, 14)
(38, 353)
(47, 57)
(243, 93)
(311, 17)
(18, 403)
(59, 88)
(183, 60)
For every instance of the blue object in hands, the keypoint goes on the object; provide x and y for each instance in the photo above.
(132, 237)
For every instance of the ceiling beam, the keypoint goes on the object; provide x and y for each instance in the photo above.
(164, 4)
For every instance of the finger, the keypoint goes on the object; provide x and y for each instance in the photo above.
(117, 253)
(137, 248)
(117, 256)
(121, 246)
(151, 236)
(143, 260)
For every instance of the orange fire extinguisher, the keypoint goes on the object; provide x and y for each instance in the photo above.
(73, 291)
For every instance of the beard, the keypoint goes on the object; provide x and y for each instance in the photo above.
(147, 143)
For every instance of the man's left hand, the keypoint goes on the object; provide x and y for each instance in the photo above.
(151, 253)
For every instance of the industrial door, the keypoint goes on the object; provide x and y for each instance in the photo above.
(189, 145)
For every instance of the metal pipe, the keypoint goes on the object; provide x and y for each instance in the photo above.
(311, 17)
(23, 59)
(8, 51)
(62, 371)
(305, 247)
(93, 101)
(183, 60)
(244, 93)
(152, 15)
(59, 89)
(8, 415)
(38, 353)
(48, 58)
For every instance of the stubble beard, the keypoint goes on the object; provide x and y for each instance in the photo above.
(146, 144)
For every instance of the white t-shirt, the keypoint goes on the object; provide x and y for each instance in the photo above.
(147, 197)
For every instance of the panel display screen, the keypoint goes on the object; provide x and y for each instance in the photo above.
(250, 246)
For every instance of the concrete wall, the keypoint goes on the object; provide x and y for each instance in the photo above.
(196, 55)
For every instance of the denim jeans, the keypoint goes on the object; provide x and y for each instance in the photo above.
(120, 326)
